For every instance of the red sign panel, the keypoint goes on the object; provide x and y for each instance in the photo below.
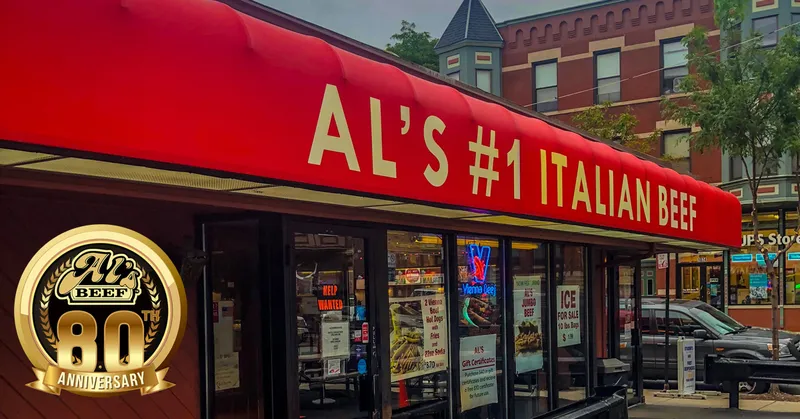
(202, 87)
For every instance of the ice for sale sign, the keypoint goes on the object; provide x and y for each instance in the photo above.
(569, 315)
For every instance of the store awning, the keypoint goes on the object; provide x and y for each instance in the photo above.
(196, 86)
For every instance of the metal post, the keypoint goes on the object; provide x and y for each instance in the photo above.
(666, 329)
(733, 401)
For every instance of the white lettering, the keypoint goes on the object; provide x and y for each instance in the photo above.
(435, 177)
(332, 111)
(380, 166)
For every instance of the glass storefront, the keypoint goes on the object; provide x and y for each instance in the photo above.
(748, 282)
(481, 328)
(419, 321)
(444, 325)
(531, 328)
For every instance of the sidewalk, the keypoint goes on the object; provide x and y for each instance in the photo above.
(713, 407)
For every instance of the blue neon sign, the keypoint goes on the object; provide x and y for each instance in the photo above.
(478, 265)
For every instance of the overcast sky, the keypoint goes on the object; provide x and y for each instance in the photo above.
(374, 21)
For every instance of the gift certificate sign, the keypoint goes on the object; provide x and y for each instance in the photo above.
(478, 371)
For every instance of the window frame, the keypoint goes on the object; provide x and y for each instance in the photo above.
(762, 18)
(735, 161)
(662, 65)
(618, 51)
(663, 144)
(478, 71)
(536, 89)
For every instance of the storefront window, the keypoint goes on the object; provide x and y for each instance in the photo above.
(531, 328)
(481, 363)
(418, 312)
(792, 260)
(570, 276)
(236, 313)
(749, 283)
(332, 329)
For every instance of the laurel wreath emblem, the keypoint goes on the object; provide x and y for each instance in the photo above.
(47, 293)
(44, 304)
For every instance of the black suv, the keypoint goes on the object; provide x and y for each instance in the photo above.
(714, 332)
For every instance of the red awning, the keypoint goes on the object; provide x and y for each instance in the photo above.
(197, 84)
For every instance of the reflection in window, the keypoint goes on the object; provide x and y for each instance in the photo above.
(675, 64)
(679, 324)
(480, 328)
(529, 281)
(608, 77)
(570, 270)
(767, 28)
(676, 146)
(236, 313)
(418, 312)
(546, 94)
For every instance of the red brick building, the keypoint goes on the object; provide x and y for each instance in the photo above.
(605, 51)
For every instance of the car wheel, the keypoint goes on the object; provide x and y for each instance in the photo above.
(748, 388)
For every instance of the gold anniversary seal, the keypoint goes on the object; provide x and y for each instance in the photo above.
(99, 311)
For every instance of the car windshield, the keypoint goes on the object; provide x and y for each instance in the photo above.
(716, 320)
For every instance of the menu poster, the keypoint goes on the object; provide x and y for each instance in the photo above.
(418, 337)
(335, 339)
(527, 323)
(478, 371)
(226, 371)
(569, 315)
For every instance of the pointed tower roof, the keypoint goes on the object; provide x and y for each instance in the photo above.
(472, 22)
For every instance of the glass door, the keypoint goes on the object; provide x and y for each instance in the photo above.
(712, 279)
(333, 346)
(234, 355)
(702, 282)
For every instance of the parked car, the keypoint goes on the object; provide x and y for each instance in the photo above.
(714, 332)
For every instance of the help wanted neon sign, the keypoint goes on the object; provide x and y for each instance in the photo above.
(478, 265)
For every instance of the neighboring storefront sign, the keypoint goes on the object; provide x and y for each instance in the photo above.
(686, 366)
(478, 371)
(419, 336)
(335, 339)
(663, 260)
(100, 277)
(770, 239)
(759, 286)
(568, 315)
(527, 323)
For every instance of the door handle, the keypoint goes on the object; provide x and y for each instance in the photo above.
(661, 344)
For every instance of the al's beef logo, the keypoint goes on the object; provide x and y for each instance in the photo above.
(99, 311)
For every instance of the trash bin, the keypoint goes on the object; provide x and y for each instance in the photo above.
(612, 372)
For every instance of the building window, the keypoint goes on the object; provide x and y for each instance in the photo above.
(483, 80)
(455, 76)
(771, 165)
(418, 338)
(767, 27)
(607, 73)
(675, 64)
(676, 147)
(795, 18)
(735, 166)
(546, 82)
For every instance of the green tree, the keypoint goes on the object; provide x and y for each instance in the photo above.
(598, 121)
(414, 46)
(747, 105)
